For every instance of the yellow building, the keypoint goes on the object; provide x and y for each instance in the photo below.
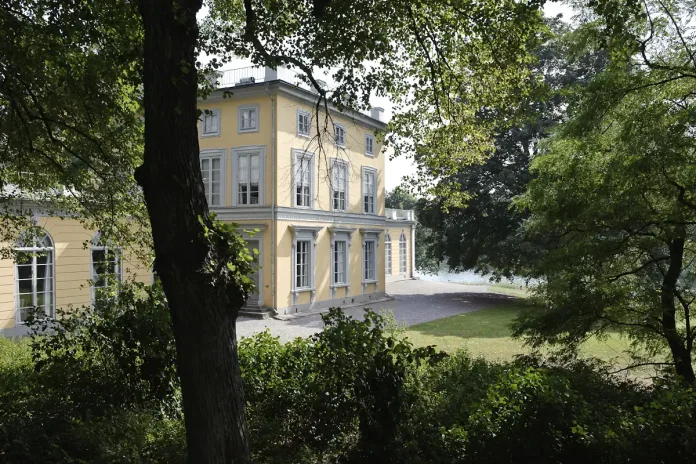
(311, 183)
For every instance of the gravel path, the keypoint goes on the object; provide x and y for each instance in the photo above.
(415, 301)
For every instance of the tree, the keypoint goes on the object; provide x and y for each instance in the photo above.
(485, 233)
(438, 60)
(614, 196)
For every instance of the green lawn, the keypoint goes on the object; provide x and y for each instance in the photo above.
(486, 333)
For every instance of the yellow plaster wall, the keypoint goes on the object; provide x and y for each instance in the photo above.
(323, 265)
(230, 138)
(354, 153)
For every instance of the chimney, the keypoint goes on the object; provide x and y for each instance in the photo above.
(377, 113)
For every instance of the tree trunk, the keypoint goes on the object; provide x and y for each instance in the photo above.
(203, 313)
(680, 355)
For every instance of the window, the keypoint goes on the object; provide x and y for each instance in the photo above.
(303, 176)
(387, 255)
(249, 118)
(304, 123)
(402, 254)
(210, 123)
(339, 185)
(106, 265)
(369, 180)
(340, 135)
(369, 145)
(370, 262)
(339, 261)
(34, 276)
(248, 178)
(302, 263)
(212, 169)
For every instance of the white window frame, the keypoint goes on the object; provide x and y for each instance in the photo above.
(300, 133)
(346, 166)
(304, 234)
(345, 135)
(36, 249)
(211, 154)
(215, 114)
(388, 255)
(297, 156)
(371, 145)
(363, 181)
(240, 110)
(254, 232)
(370, 236)
(340, 235)
(234, 159)
(403, 263)
(371, 243)
(98, 245)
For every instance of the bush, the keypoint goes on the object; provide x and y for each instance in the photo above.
(101, 387)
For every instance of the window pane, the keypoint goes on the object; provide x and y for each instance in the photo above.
(24, 286)
(24, 271)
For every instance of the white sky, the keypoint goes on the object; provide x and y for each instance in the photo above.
(396, 169)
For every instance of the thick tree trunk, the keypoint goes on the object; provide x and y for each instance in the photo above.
(203, 313)
(680, 355)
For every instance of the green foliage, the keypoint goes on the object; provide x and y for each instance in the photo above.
(612, 202)
(69, 115)
(485, 232)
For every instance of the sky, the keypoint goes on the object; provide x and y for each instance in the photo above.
(398, 168)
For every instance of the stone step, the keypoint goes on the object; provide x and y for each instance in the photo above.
(256, 313)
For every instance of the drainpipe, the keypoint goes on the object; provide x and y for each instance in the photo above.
(413, 249)
(273, 202)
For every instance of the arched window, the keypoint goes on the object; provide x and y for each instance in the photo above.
(34, 275)
(402, 254)
(106, 264)
(387, 255)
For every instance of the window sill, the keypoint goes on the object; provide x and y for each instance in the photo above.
(305, 136)
(302, 207)
(304, 289)
(343, 285)
(370, 155)
(369, 281)
(207, 136)
(246, 131)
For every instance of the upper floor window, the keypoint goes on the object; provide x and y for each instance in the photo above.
(106, 265)
(387, 255)
(369, 180)
(212, 169)
(34, 275)
(402, 254)
(303, 178)
(210, 123)
(304, 123)
(248, 173)
(339, 185)
(340, 135)
(369, 145)
(249, 118)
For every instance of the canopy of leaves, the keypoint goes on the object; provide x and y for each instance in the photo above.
(614, 194)
(485, 233)
(440, 63)
(70, 126)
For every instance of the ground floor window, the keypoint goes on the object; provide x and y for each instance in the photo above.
(340, 260)
(402, 254)
(370, 263)
(106, 265)
(34, 275)
(302, 263)
(388, 256)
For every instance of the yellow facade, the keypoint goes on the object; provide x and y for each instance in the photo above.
(284, 226)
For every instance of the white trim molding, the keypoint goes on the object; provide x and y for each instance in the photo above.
(344, 167)
(371, 152)
(340, 234)
(257, 122)
(363, 178)
(250, 150)
(298, 157)
(216, 115)
(308, 115)
(301, 233)
(337, 141)
(211, 154)
(372, 236)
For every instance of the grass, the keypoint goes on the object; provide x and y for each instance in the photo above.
(486, 333)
